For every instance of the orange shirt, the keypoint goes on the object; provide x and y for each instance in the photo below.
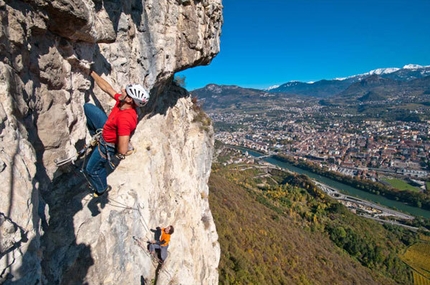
(164, 237)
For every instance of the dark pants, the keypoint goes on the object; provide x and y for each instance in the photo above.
(96, 166)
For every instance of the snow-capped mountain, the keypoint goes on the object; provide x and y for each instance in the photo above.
(389, 70)
(324, 88)
(271, 87)
(371, 86)
(381, 71)
(414, 66)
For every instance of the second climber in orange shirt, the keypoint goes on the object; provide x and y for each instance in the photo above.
(162, 244)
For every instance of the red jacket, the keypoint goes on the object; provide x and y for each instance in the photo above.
(119, 123)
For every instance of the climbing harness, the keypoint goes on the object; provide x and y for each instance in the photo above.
(113, 161)
(97, 140)
(102, 143)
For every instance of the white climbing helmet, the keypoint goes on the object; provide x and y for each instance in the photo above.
(138, 93)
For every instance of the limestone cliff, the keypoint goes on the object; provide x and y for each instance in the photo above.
(52, 231)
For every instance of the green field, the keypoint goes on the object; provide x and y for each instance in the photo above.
(400, 184)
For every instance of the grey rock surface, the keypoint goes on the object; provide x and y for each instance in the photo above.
(51, 231)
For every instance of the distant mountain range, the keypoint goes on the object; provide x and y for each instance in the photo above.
(375, 84)
(327, 88)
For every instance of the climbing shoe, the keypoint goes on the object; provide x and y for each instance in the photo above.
(98, 194)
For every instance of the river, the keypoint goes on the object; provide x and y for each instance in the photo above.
(346, 188)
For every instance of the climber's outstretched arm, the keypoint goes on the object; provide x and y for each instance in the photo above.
(122, 146)
(103, 84)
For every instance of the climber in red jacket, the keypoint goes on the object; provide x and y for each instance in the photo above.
(117, 129)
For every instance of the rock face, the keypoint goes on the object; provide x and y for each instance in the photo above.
(51, 230)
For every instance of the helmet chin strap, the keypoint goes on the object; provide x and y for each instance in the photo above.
(123, 104)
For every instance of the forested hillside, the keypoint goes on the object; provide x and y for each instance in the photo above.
(278, 228)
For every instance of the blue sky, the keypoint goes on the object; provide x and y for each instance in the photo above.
(270, 42)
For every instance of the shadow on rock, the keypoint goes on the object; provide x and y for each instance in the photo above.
(93, 204)
(65, 261)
